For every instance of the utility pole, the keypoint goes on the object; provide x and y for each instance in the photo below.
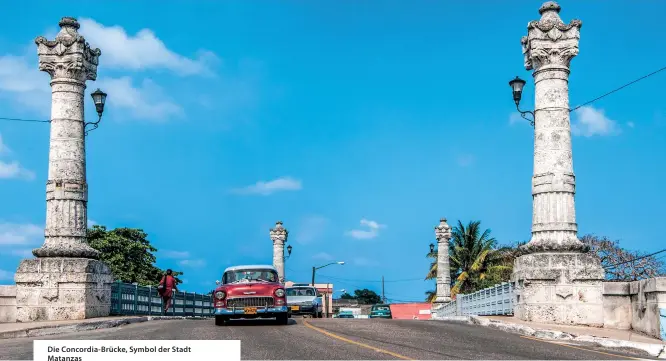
(383, 296)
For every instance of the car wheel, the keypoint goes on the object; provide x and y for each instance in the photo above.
(220, 321)
(319, 315)
(282, 319)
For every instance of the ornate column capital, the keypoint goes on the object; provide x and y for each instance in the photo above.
(279, 234)
(550, 43)
(69, 56)
(443, 231)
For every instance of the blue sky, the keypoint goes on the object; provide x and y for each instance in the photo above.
(334, 117)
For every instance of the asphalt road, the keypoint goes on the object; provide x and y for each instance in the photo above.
(342, 339)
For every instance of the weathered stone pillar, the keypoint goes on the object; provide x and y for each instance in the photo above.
(279, 236)
(443, 236)
(557, 281)
(65, 281)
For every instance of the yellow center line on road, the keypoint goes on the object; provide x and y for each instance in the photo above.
(361, 344)
(581, 348)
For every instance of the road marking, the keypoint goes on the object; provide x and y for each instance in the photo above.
(361, 344)
(581, 348)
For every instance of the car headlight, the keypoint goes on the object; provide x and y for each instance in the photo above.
(220, 295)
(279, 292)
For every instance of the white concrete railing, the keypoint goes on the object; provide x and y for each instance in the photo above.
(496, 300)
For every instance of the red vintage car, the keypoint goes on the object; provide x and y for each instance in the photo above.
(247, 292)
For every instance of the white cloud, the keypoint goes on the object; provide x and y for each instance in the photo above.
(141, 51)
(270, 187)
(364, 262)
(91, 223)
(174, 254)
(14, 170)
(323, 256)
(310, 229)
(147, 101)
(192, 263)
(6, 275)
(631, 124)
(465, 160)
(372, 230)
(590, 122)
(20, 77)
(15, 234)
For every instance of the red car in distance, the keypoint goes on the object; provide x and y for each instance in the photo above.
(248, 292)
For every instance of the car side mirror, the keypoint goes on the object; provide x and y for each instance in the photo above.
(217, 282)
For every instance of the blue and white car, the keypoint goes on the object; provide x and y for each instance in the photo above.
(303, 299)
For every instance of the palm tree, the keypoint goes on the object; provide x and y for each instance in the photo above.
(430, 296)
(474, 260)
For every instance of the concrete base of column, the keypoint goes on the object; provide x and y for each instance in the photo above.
(442, 300)
(56, 289)
(560, 288)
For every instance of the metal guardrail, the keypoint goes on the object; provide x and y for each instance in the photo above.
(130, 299)
(496, 300)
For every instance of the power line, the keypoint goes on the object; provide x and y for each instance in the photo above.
(25, 120)
(615, 90)
(634, 259)
(386, 281)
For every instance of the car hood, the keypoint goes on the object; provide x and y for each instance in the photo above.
(250, 289)
(300, 299)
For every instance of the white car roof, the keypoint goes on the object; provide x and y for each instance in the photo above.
(249, 267)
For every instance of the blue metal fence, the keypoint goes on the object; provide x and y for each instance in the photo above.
(496, 300)
(131, 299)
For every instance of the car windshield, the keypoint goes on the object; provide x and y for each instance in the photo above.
(257, 275)
(303, 291)
(381, 308)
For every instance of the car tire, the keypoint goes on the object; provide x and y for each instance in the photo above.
(319, 315)
(282, 319)
(220, 321)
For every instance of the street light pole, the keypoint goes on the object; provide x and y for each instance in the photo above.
(314, 269)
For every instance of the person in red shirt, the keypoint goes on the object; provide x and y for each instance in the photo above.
(168, 285)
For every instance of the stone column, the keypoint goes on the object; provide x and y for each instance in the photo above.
(557, 280)
(443, 236)
(65, 281)
(279, 236)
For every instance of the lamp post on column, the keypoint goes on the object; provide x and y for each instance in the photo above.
(99, 99)
(73, 284)
(443, 235)
(279, 236)
(556, 281)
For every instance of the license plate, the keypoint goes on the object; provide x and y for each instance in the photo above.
(295, 308)
(250, 310)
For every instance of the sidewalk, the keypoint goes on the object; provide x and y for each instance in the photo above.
(625, 335)
(46, 328)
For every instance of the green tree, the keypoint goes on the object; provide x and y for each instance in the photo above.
(474, 260)
(346, 296)
(364, 296)
(128, 253)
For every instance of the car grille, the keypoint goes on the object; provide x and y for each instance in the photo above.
(250, 302)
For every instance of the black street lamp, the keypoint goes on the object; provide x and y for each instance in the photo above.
(99, 98)
(289, 248)
(517, 85)
(432, 248)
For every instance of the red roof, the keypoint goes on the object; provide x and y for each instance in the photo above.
(411, 311)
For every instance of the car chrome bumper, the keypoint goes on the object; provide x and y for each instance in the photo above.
(241, 311)
(302, 309)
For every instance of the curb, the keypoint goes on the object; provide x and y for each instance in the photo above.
(88, 326)
(652, 349)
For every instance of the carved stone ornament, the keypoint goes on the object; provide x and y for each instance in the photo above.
(549, 41)
(443, 231)
(69, 56)
(279, 233)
